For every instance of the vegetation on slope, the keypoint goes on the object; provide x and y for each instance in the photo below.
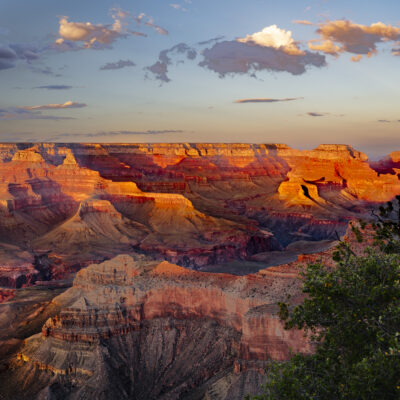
(352, 313)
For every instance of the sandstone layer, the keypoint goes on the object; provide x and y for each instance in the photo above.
(64, 206)
(139, 329)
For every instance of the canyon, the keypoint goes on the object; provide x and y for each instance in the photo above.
(152, 271)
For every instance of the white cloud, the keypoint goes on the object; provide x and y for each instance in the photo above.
(272, 36)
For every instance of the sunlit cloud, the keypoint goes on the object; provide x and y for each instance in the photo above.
(271, 49)
(354, 38)
(267, 100)
(302, 22)
(67, 104)
(357, 58)
(86, 35)
(149, 21)
(274, 37)
(326, 46)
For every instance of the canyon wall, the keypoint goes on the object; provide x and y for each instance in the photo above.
(139, 329)
(64, 206)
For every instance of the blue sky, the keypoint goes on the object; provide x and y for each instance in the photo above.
(333, 79)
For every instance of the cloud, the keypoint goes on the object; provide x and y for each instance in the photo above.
(357, 38)
(209, 41)
(326, 46)
(150, 23)
(18, 113)
(11, 53)
(116, 133)
(357, 58)
(54, 87)
(91, 35)
(396, 51)
(384, 121)
(302, 22)
(316, 114)
(85, 35)
(8, 58)
(276, 52)
(274, 37)
(267, 100)
(136, 33)
(157, 28)
(67, 104)
(178, 7)
(325, 114)
(160, 68)
(117, 65)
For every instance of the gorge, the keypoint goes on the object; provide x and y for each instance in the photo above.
(152, 271)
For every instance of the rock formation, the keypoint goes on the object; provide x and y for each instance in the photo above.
(134, 328)
(69, 205)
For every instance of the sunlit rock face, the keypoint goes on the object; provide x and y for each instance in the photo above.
(135, 328)
(193, 204)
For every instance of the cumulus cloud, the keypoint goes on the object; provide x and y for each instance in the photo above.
(356, 38)
(326, 46)
(272, 36)
(89, 34)
(267, 100)
(85, 35)
(117, 65)
(160, 68)
(67, 104)
(245, 56)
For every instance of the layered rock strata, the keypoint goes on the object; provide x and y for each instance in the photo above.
(134, 328)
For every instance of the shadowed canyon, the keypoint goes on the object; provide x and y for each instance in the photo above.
(152, 271)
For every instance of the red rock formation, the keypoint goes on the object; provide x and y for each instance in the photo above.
(226, 321)
(192, 204)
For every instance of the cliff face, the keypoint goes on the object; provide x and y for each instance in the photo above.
(134, 328)
(192, 204)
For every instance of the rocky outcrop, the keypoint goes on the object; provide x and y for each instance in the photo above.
(135, 328)
(194, 204)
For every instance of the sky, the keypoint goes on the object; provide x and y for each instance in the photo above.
(256, 71)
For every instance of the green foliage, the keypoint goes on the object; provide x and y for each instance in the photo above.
(352, 313)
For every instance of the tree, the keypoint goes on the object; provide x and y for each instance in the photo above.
(352, 313)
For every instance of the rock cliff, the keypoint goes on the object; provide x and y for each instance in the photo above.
(190, 203)
(136, 328)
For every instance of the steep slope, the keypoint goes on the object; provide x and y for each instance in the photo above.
(141, 329)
